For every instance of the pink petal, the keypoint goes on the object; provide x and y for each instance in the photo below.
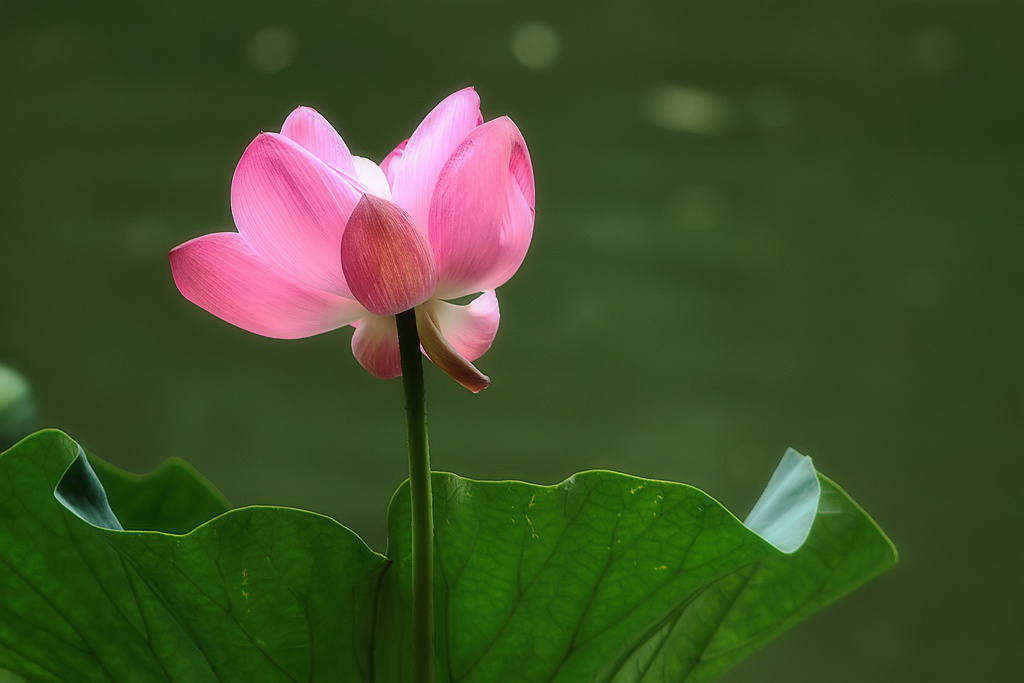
(371, 177)
(389, 160)
(375, 346)
(481, 217)
(415, 172)
(470, 329)
(311, 130)
(292, 209)
(445, 356)
(387, 260)
(221, 274)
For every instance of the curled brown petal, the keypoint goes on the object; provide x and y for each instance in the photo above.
(444, 356)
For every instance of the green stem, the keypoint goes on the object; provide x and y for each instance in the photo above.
(422, 512)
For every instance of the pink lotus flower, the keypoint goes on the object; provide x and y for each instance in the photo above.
(327, 239)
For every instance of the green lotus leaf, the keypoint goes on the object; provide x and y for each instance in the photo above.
(604, 577)
(256, 594)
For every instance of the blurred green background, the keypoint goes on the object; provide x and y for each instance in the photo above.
(759, 224)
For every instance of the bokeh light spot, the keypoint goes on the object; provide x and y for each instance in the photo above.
(698, 207)
(535, 45)
(682, 108)
(271, 49)
(619, 231)
(922, 288)
(937, 49)
(772, 105)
